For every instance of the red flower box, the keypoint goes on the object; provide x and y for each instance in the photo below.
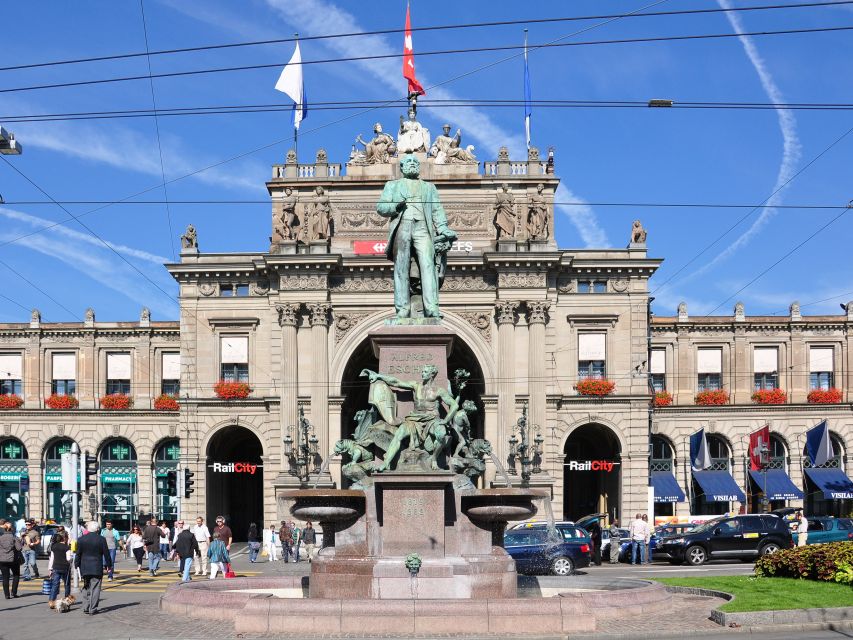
(824, 396)
(769, 396)
(11, 401)
(595, 387)
(59, 402)
(165, 402)
(663, 399)
(116, 402)
(712, 398)
(232, 390)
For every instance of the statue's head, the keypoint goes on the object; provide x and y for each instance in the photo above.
(340, 447)
(540, 187)
(505, 186)
(469, 407)
(377, 128)
(446, 129)
(429, 372)
(288, 190)
(410, 166)
(412, 115)
(318, 190)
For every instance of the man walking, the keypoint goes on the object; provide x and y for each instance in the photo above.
(92, 556)
(285, 535)
(224, 532)
(202, 537)
(802, 529)
(296, 533)
(615, 542)
(151, 538)
(186, 545)
(30, 541)
(309, 537)
(637, 529)
(113, 542)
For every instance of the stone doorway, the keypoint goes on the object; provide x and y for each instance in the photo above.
(592, 473)
(235, 480)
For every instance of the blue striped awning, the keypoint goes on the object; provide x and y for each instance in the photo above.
(779, 484)
(833, 482)
(719, 486)
(666, 487)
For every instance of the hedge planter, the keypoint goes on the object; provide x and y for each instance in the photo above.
(11, 401)
(663, 399)
(116, 402)
(824, 396)
(595, 387)
(232, 390)
(712, 398)
(61, 402)
(769, 396)
(832, 562)
(165, 402)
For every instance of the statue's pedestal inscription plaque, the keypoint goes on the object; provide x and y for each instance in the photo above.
(412, 510)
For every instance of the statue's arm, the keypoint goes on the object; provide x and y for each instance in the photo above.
(439, 217)
(373, 376)
(389, 204)
(452, 404)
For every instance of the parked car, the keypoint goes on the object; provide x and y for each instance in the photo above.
(533, 552)
(539, 523)
(624, 546)
(827, 529)
(664, 531)
(743, 537)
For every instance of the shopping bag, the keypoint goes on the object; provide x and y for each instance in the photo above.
(264, 552)
(45, 587)
(229, 572)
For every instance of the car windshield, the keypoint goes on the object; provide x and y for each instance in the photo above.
(707, 526)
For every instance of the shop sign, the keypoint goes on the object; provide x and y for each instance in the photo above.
(236, 467)
(377, 247)
(12, 451)
(11, 476)
(118, 477)
(841, 495)
(119, 451)
(591, 465)
(720, 498)
(173, 452)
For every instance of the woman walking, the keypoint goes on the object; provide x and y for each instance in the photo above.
(164, 540)
(271, 546)
(136, 546)
(254, 540)
(59, 568)
(218, 555)
(11, 550)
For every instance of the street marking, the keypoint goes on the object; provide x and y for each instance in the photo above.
(133, 583)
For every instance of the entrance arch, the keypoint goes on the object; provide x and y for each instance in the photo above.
(588, 485)
(14, 479)
(235, 479)
(57, 503)
(119, 484)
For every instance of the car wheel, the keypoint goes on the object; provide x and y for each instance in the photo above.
(695, 555)
(562, 566)
(770, 547)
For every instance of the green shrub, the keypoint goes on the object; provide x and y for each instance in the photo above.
(844, 575)
(813, 562)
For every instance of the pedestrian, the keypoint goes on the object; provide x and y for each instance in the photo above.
(136, 545)
(92, 556)
(59, 568)
(151, 537)
(224, 532)
(646, 549)
(615, 541)
(164, 540)
(271, 543)
(113, 543)
(186, 546)
(218, 554)
(802, 529)
(285, 536)
(11, 554)
(31, 539)
(595, 537)
(254, 540)
(202, 536)
(296, 534)
(637, 530)
(309, 537)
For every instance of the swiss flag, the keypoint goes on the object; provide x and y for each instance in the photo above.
(409, 59)
(757, 441)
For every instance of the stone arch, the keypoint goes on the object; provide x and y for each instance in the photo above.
(588, 419)
(224, 424)
(588, 485)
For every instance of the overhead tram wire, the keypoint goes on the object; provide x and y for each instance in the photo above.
(554, 44)
(501, 23)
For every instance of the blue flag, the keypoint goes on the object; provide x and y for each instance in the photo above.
(819, 445)
(700, 457)
(528, 107)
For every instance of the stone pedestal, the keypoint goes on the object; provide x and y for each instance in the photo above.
(509, 244)
(283, 247)
(318, 246)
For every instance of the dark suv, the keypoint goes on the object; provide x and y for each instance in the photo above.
(743, 537)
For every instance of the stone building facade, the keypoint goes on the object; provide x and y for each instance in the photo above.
(530, 320)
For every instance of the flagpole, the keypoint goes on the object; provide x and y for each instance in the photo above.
(295, 128)
(526, 94)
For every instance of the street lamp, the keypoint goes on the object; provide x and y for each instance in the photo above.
(521, 450)
(303, 451)
(8, 145)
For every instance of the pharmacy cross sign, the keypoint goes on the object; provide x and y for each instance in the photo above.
(120, 452)
(63, 448)
(12, 450)
(173, 452)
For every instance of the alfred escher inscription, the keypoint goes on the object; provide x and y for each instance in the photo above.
(408, 362)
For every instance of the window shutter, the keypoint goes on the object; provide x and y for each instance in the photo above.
(766, 360)
(64, 366)
(118, 366)
(171, 366)
(235, 350)
(820, 359)
(710, 361)
(11, 365)
(591, 346)
(658, 364)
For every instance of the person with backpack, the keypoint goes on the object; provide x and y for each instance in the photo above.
(218, 555)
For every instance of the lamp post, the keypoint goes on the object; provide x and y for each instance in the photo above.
(303, 451)
(8, 147)
(520, 449)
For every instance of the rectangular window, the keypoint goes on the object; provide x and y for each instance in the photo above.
(241, 290)
(765, 365)
(226, 290)
(63, 387)
(63, 374)
(657, 370)
(118, 373)
(709, 366)
(821, 367)
(234, 358)
(233, 290)
(599, 286)
(591, 355)
(584, 286)
(171, 380)
(11, 377)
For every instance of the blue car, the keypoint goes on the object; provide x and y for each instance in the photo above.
(534, 552)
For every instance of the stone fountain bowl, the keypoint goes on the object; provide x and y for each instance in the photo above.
(501, 505)
(326, 505)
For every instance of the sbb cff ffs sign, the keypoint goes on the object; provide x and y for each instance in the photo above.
(591, 465)
(235, 467)
(377, 247)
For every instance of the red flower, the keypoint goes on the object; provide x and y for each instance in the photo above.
(116, 401)
(63, 401)
(821, 396)
(663, 399)
(11, 401)
(165, 402)
(769, 396)
(595, 387)
(231, 390)
(712, 398)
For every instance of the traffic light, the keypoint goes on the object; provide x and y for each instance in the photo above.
(188, 483)
(90, 465)
(172, 483)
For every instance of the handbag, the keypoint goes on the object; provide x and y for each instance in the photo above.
(229, 572)
(45, 587)
(19, 556)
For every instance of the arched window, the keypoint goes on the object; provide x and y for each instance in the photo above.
(720, 453)
(57, 503)
(166, 459)
(57, 448)
(12, 449)
(662, 457)
(118, 451)
(835, 462)
(118, 475)
(778, 453)
(14, 479)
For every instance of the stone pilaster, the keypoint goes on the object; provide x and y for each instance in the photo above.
(505, 312)
(288, 319)
(319, 318)
(537, 318)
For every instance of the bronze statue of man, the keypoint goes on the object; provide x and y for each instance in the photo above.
(419, 226)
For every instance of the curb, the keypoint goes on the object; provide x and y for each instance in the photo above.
(765, 629)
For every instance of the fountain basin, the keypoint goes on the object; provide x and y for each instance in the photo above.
(501, 505)
(326, 505)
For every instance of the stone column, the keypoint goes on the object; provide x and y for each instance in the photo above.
(288, 319)
(537, 318)
(506, 367)
(319, 317)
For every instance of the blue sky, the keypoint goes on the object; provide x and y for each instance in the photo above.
(603, 155)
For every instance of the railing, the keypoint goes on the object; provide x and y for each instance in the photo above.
(719, 464)
(661, 464)
(306, 171)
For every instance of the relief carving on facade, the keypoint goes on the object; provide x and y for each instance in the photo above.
(505, 311)
(173, 430)
(619, 285)
(467, 283)
(465, 218)
(260, 288)
(303, 282)
(362, 285)
(288, 314)
(207, 288)
(566, 285)
(362, 217)
(522, 280)
(346, 321)
(480, 320)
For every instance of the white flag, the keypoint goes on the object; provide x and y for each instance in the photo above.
(290, 82)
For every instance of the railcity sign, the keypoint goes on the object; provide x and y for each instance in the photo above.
(236, 467)
(591, 465)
